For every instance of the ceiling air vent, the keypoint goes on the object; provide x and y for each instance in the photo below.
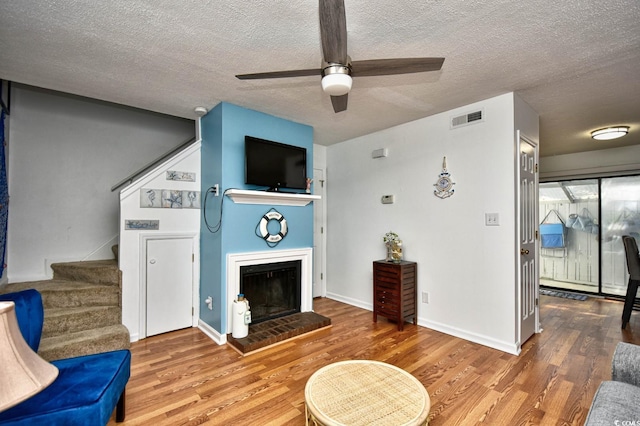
(466, 119)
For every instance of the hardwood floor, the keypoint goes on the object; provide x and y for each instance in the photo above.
(184, 378)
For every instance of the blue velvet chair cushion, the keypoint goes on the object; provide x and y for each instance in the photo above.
(85, 392)
(30, 315)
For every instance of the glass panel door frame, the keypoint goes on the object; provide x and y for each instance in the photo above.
(592, 260)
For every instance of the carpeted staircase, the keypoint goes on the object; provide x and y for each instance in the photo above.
(82, 309)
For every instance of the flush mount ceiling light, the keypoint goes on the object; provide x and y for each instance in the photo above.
(610, 133)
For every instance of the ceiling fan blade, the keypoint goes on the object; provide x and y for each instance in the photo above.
(394, 66)
(339, 103)
(333, 31)
(280, 74)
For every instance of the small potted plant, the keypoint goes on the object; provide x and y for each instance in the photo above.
(394, 247)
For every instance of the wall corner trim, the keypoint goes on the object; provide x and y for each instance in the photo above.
(212, 333)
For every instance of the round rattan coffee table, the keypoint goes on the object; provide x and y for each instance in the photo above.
(362, 392)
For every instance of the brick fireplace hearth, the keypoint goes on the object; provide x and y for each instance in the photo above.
(277, 330)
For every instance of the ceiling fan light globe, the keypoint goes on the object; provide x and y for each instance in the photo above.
(336, 84)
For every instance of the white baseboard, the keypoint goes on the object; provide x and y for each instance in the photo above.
(350, 301)
(104, 251)
(27, 278)
(508, 347)
(220, 339)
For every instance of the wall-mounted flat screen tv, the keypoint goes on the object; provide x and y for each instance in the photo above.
(274, 165)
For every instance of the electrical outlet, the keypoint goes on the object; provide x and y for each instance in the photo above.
(216, 189)
(425, 297)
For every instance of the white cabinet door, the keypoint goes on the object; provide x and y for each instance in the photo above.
(169, 285)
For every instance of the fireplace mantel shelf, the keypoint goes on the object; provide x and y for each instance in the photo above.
(243, 196)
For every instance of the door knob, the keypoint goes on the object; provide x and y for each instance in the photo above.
(524, 251)
(152, 261)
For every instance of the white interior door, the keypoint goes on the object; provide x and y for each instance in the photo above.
(528, 226)
(318, 234)
(169, 285)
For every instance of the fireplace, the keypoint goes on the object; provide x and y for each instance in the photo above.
(236, 261)
(272, 289)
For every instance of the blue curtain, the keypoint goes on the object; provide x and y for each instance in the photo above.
(4, 197)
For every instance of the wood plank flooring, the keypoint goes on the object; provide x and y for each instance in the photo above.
(184, 378)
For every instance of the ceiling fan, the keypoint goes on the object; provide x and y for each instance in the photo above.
(337, 67)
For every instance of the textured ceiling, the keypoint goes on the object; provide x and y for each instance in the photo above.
(576, 62)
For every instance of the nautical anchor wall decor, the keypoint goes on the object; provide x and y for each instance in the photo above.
(444, 184)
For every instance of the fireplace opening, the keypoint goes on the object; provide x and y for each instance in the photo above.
(272, 289)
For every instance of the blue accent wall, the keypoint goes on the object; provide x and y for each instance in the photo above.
(223, 130)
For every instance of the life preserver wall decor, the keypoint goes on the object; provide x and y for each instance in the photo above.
(262, 230)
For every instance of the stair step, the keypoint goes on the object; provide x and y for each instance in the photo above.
(70, 294)
(96, 271)
(86, 342)
(58, 321)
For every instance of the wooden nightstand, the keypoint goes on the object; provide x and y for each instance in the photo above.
(395, 291)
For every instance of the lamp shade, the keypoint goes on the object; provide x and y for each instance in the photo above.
(22, 372)
(610, 133)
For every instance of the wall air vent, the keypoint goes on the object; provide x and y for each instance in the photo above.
(466, 119)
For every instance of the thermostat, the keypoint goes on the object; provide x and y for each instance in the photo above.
(387, 199)
(379, 153)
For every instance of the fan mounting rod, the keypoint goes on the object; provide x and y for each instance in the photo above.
(336, 78)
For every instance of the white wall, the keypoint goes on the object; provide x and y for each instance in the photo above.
(598, 163)
(319, 156)
(66, 154)
(468, 269)
(173, 223)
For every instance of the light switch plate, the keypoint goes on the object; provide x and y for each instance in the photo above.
(492, 219)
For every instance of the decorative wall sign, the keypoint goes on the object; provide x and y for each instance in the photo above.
(444, 184)
(169, 198)
(181, 176)
(190, 199)
(150, 198)
(147, 225)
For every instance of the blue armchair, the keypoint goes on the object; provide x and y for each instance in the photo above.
(87, 389)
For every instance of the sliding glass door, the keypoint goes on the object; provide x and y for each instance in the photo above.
(620, 216)
(594, 213)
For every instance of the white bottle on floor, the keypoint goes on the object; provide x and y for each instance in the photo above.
(240, 314)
